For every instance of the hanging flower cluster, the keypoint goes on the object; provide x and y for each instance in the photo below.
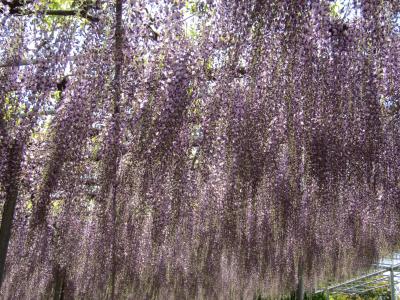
(196, 149)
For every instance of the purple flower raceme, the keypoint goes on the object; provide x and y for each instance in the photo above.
(195, 149)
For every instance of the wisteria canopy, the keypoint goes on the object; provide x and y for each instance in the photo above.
(196, 149)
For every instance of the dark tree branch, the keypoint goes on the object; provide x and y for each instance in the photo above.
(78, 13)
(154, 34)
(62, 84)
(21, 63)
(15, 5)
(17, 8)
(61, 13)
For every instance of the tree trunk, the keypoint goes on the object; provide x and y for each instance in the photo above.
(59, 278)
(116, 128)
(300, 283)
(11, 181)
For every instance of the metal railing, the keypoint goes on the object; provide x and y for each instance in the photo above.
(386, 277)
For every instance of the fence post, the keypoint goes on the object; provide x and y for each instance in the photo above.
(392, 288)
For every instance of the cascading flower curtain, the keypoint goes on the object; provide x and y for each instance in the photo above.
(195, 149)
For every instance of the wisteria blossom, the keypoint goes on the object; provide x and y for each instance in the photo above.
(196, 149)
